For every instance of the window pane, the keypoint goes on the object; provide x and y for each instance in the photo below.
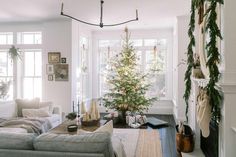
(150, 42)
(28, 39)
(10, 39)
(114, 43)
(6, 84)
(10, 67)
(6, 38)
(3, 64)
(28, 88)
(38, 87)
(137, 42)
(110, 43)
(149, 57)
(38, 63)
(29, 63)
(104, 43)
(38, 38)
(3, 39)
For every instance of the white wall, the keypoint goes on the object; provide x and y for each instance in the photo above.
(56, 38)
(179, 67)
(228, 122)
(162, 106)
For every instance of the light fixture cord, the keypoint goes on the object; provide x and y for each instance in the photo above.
(101, 17)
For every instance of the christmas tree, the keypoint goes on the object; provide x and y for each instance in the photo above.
(127, 84)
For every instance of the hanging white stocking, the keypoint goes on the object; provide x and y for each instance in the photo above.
(203, 113)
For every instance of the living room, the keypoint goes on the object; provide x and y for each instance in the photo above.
(67, 61)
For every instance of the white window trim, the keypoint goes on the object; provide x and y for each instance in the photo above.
(137, 34)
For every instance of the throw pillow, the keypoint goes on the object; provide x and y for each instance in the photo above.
(108, 127)
(47, 104)
(26, 104)
(42, 112)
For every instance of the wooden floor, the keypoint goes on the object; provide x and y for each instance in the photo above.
(167, 134)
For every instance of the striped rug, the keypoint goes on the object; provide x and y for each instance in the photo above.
(140, 142)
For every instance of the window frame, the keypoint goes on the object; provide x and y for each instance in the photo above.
(143, 50)
(23, 76)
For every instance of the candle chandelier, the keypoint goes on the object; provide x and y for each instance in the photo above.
(101, 24)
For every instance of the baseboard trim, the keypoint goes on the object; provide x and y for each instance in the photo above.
(161, 107)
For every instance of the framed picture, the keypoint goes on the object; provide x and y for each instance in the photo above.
(54, 57)
(63, 60)
(61, 72)
(50, 77)
(50, 69)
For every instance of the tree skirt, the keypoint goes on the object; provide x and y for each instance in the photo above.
(140, 142)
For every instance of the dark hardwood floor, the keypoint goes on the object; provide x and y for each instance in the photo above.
(167, 134)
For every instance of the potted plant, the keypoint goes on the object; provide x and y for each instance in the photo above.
(14, 53)
(184, 138)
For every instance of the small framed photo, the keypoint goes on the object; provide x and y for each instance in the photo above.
(63, 60)
(61, 72)
(50, 69)
(54, 57)
(50, 77)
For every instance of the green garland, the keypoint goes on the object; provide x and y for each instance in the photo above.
(190, 59)
(213, 59)
(213, 56)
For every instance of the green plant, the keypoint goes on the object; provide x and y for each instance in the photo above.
(71, 116)
(14, 53)
(190, 60)
(127, 84)
(213, 56)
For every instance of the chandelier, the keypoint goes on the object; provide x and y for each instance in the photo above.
(101, 24)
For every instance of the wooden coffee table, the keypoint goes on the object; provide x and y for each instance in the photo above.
(62, 128)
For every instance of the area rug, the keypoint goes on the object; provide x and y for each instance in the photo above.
(140, 142)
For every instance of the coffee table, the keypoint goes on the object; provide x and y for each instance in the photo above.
(62, 128)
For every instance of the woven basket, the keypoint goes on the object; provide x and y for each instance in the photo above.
(90, 123)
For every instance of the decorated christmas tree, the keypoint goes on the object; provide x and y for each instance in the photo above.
(127, 84)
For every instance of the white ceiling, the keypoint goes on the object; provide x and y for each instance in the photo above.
(152, 13)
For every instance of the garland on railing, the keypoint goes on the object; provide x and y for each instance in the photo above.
(213, 56)
(190, 60)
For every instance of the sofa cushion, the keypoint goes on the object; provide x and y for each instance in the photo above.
(108, 127)
(26, 104)
(41, 112)
(12, 130)
(18, 141)
(46, 104)
(83, 143)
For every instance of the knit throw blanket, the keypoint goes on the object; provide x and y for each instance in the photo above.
(32, 125)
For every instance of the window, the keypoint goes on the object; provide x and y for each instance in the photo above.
(29, 37)
(108, 49)
(83, 70)
(6, 76)
(29, 75)
(6, 38)
(151, 58)
(32, 78)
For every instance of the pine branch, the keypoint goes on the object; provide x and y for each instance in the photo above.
(190, 59)
(216, 98)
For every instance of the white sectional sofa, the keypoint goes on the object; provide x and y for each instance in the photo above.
(9, 109)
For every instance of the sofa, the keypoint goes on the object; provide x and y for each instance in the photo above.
(14, 111)
(56, 145)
